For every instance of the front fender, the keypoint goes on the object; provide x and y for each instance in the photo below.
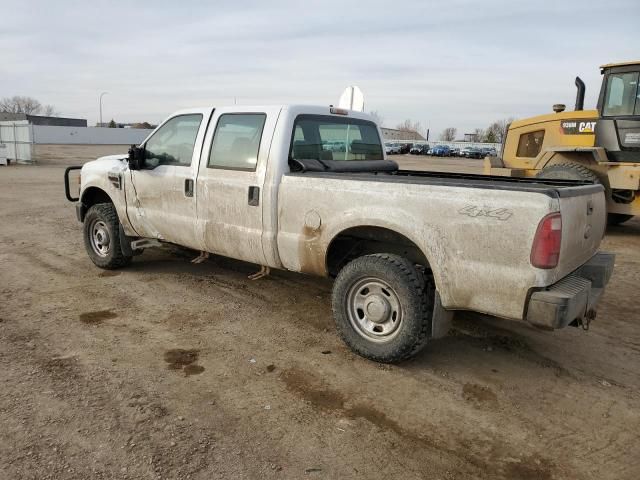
(107, 175)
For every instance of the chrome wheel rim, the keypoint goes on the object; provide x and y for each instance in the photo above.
(374, 310)
(100, 238)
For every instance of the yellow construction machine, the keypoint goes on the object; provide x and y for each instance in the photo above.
(600, 145)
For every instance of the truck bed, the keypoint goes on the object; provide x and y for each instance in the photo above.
(551, 188)
(476, 231)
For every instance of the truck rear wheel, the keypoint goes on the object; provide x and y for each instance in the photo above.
(382, 306)
(102, 237)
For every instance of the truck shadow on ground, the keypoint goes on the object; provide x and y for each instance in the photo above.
(475, 341)
(632, 227)
(477, 344)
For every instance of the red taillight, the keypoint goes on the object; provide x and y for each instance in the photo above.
(545, 252)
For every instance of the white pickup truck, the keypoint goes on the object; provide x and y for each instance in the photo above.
(309, 189)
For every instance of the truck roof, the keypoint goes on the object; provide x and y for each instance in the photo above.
(295, 109)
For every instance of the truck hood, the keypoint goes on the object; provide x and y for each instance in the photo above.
(105, 164)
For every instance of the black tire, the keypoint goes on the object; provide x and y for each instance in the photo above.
(568, 171)
(618, 218)
(575, 171)
(409, 296)
(101, 222)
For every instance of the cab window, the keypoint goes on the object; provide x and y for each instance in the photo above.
(173, 142)
(530, 144)
(236, 141)
(621, 96)
(320, 137)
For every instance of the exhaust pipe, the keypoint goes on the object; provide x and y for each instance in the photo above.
(580, 94)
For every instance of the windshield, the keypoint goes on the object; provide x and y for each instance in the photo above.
(319, 137)
(621, 96)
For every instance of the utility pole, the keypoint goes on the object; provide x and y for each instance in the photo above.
(100, 101)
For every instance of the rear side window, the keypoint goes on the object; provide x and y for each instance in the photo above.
(236, 141)
(530, 144)
(319, 137)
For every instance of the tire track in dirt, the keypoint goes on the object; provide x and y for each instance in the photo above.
(504, 460)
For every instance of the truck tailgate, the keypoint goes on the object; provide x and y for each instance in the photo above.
(584, 219)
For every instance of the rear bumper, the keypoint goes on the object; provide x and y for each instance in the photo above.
(574, 298)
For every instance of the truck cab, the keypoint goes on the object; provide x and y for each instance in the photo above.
(618, 128)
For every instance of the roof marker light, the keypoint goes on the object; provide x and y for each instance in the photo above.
(339, 111)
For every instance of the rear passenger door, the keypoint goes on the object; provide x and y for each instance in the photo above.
(230, 182)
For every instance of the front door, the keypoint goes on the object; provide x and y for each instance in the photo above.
(230, 182)
(162, 202)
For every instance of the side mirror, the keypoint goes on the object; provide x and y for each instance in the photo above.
(136, 157)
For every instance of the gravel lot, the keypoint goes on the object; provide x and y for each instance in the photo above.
(172, 370)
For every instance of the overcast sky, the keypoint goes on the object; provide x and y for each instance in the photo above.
(446, 63)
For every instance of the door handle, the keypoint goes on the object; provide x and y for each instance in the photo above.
(188, 187)
(254, 196)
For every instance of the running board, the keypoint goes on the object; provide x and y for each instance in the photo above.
(145, 243)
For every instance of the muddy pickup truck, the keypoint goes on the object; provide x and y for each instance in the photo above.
(267, 185)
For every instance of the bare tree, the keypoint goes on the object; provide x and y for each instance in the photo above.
(19, 104)
(379, 119)
(448, 134)
(497, 131)
(28, 105)
(503, 126)
(493, 133)
(409, 126)
(479, 135)
(50, 111)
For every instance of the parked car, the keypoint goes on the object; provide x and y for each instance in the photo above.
(338, 147)
(420, 149)
(441, 151)
(405, 148)
(474, 153)
(464, 151)
(489, 152)
(454, 152)
(405, 248)
(392, 148)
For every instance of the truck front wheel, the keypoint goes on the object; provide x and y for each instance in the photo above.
(382, 306)
(102, 237)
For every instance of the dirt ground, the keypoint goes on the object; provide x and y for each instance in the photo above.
(171, 370)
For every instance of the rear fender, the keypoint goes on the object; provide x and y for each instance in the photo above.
(428, 238)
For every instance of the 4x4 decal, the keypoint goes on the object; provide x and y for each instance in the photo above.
(474, 211)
